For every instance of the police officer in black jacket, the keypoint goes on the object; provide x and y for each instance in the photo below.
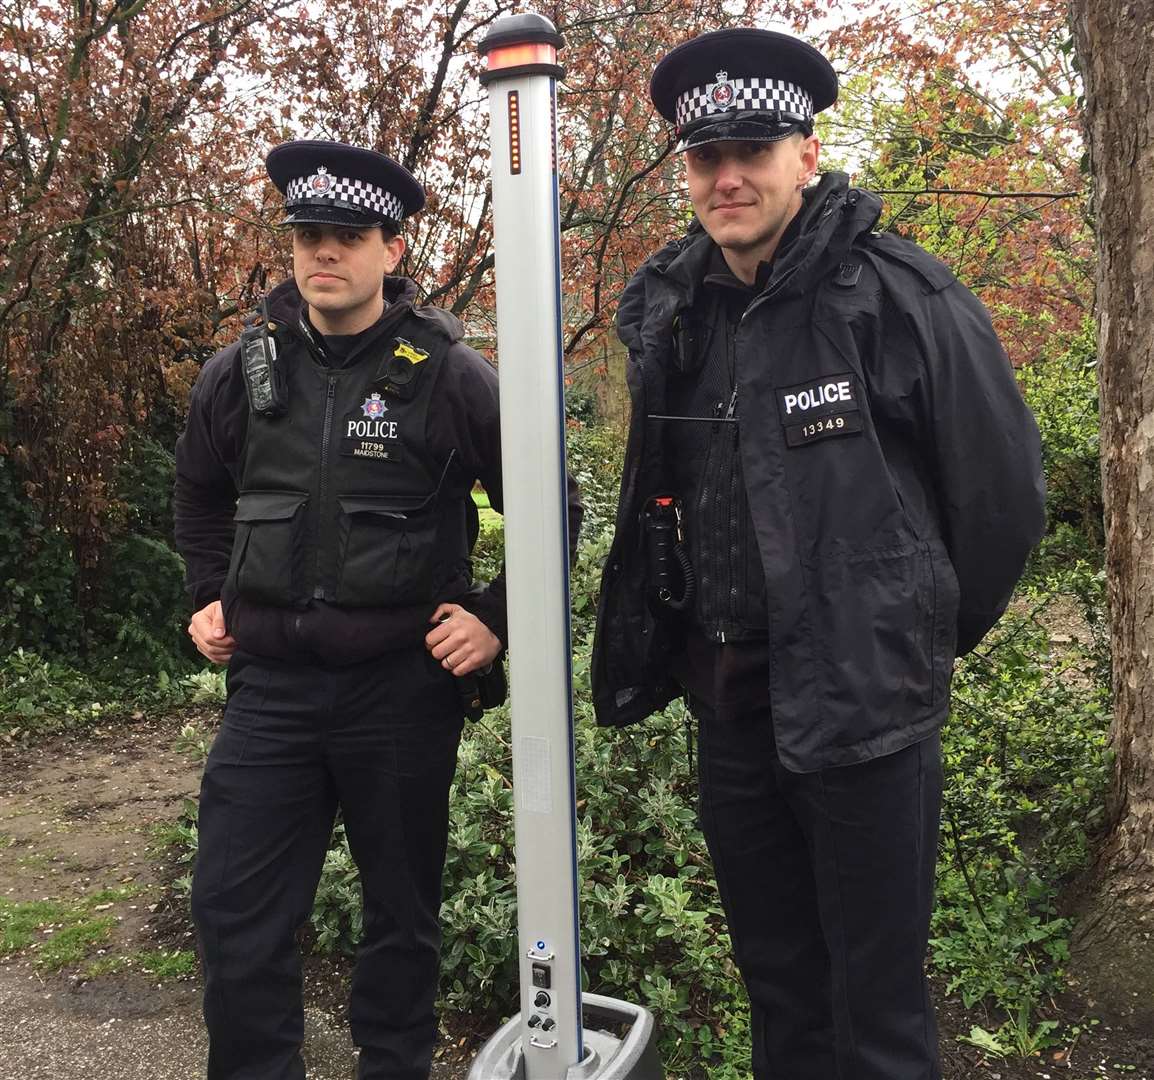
(323, 508)
(825, 418)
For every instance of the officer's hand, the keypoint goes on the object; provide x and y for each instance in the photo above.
(460, 640)
(208, 634)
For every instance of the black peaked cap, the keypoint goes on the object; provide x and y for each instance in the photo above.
(740, 53)
(334, 183)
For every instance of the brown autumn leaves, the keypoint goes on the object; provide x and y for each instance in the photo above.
(136, 221)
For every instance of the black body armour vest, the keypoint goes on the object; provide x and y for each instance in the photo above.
(340, 498)
(706, 466)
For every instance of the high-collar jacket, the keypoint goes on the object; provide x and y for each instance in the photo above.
(892, 470)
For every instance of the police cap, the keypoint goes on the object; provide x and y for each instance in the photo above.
(742, 84)
(331, 183)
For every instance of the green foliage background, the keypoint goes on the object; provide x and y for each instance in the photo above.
(85, 643)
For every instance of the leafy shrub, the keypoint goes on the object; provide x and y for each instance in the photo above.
(206, 687)
(580, 405)
(38, 696)
(1026, 760)
(41, 696)
(336, 915)
(137, 609)
(37, 575)
(594, 455)
(129, 611)
(144, 487)
(139, 614)
(1062, 392)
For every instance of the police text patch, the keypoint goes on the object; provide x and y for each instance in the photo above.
(371, 438)
(820, 409)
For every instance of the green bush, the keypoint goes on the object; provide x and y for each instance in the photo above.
(42, 696)
(38, 696)
(38, 576)
(1062, 391)
(138, 609)
(1026, 761)
(594, 456)
(580, 404)
(127, 613)
(139, 613)
(144, 486)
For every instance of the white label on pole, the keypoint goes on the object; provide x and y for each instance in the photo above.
(535, 784)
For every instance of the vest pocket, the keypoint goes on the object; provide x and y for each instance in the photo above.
(268, 550)
(388, 549)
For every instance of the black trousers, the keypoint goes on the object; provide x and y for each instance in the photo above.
(827, 883)
(379, 740)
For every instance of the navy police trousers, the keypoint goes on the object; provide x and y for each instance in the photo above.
(379, 741)
(827, 882)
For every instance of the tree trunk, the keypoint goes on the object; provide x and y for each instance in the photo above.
(1114, 939)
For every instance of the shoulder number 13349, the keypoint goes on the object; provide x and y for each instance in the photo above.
(819, 427)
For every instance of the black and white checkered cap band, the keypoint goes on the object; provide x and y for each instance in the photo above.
(738, 95)
(322, 186)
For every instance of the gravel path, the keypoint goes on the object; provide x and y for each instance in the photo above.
(128, 1029)
(77, 816)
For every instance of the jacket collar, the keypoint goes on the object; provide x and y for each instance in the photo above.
(833, 216)
(286, 305)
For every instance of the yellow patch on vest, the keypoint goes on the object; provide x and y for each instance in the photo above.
(409, 351)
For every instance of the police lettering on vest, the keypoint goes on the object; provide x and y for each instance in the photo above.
(828, 393)
(371, 429)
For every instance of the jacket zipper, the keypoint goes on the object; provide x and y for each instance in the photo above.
(768, 295)
(731, 533)
(719, 567)
(707, 515)
(319, 588)
(735, 547)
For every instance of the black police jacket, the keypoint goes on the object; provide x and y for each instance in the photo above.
(458, 441)
(893, 474)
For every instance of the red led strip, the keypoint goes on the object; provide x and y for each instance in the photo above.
(514, 133)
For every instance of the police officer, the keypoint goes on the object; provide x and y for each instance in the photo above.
(824, 415)
(323, 508)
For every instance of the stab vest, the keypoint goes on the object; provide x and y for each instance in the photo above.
(340, 497)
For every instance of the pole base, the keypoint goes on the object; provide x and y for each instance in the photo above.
(632, 1056)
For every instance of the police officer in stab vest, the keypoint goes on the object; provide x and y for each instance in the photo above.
(323, 507)
(831, 487)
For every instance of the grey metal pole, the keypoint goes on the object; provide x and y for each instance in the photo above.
(558, 1034)
(522, 73)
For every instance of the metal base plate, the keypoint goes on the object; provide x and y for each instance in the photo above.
(632, 1056)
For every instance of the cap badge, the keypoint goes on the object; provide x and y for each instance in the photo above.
(320, 181)
(374, 406)
(721, 95)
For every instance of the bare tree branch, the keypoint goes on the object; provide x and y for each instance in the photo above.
(983, 194)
